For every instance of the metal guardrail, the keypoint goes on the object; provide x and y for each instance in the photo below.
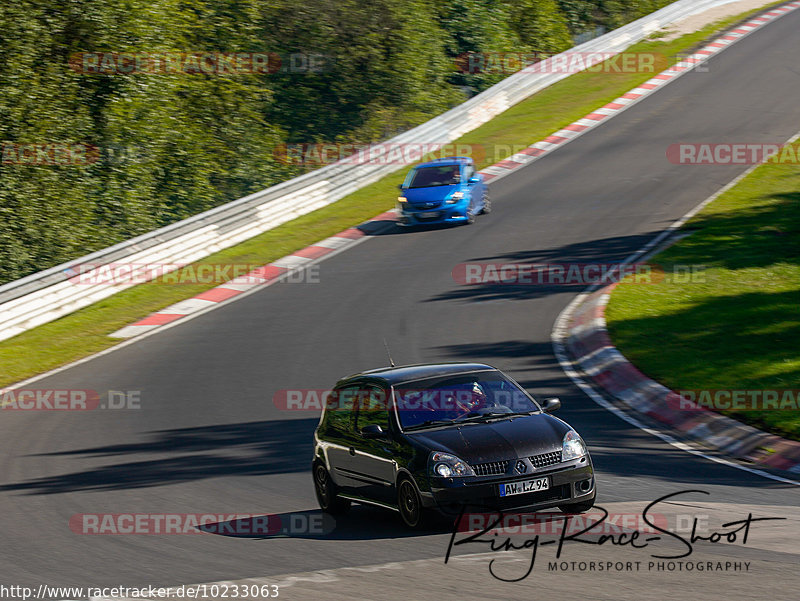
(47, 295)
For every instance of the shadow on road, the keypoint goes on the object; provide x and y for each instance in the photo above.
(362, 522)
(486, 287)
(243, 449)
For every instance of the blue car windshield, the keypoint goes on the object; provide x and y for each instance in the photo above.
(437, 401)
(425, 177)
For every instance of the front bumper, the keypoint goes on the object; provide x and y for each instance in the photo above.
(569, 483)
(455, 213)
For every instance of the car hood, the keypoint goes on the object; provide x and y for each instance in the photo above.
(430, 194)
(499, 440)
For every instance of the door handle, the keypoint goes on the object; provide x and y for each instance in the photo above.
(352, 450)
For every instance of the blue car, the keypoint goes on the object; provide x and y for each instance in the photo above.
(447, 190)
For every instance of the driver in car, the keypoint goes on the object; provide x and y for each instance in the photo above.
(472, 399)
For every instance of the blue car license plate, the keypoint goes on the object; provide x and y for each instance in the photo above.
(524, 486)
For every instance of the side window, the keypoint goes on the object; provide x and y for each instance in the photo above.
(372, 409)
(340, 407)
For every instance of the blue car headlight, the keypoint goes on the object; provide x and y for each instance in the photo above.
(454, 198)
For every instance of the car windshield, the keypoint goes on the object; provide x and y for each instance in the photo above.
(463, 398)
(425, 177)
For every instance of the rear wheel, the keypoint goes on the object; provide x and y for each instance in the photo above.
(326, 491)
(410, 504)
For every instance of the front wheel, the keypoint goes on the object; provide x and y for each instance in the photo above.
(487, 203)
(326, 492)
(410, 504)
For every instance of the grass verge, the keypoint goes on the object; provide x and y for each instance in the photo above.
(735, 325)
(86, 331)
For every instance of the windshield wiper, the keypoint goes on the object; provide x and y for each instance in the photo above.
(429, 186)
(476, 417)
(430, 422)
(472, 417)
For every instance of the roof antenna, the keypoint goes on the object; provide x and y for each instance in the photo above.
(387, 352)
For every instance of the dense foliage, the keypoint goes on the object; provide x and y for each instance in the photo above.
(148, 147)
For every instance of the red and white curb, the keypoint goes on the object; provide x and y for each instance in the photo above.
(587, 341)
(284, 267)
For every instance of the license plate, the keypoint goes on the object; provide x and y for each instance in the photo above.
(430, 215)
(524, 486)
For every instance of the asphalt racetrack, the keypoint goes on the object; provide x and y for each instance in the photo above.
(208, 437)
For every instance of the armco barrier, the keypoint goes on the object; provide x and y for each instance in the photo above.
(50, 294)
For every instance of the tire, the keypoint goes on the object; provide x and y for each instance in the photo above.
(326, 492)
(410, 504)
(487, 203)
(470, 217)
(581, 507)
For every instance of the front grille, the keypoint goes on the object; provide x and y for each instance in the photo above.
(546, 459)
(433, 217)
(493, 468)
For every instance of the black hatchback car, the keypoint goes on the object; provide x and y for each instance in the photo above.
(442, 437)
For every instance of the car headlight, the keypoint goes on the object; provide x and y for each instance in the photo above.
(572, 446)
(456, 196)
(401, 199)
(446, 465)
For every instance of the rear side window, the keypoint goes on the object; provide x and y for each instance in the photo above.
(339, 410)
(372, 409)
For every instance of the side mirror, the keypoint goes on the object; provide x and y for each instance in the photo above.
(474, 179)
(400, 187)
(551, 405)
(374, 431)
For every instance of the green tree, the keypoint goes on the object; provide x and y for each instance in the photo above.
(171, 145)
(384, 68)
